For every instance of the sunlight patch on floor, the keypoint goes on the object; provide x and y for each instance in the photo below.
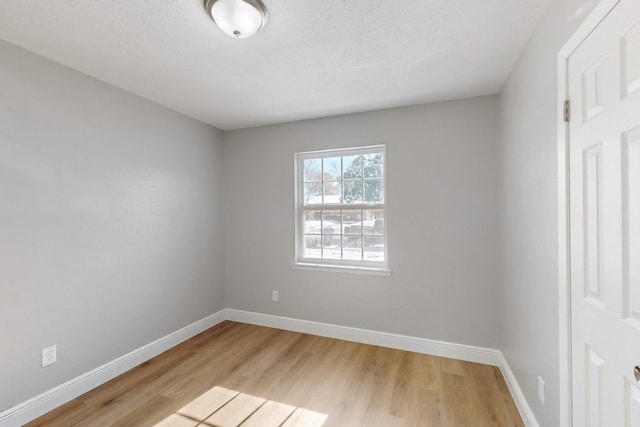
(221, 407)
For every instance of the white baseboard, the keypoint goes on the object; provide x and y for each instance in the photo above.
(469, 353)
(51, 399)
(518, 396)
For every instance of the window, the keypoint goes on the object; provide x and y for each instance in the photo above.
(340, 208)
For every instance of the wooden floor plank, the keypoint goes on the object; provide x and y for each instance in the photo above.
(66, 415)
(305, 418)
(344, 383)
(207, 403)
(236, 411)
(175, 420)
(271, 414)
(149, 413)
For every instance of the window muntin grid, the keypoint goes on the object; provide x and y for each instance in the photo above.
(341, 207)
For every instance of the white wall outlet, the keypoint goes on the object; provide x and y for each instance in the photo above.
(541, 389)
(274, 296)
(49, 355)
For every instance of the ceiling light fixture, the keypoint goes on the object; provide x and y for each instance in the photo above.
(237, 18)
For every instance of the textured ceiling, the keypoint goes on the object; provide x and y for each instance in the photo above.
(314, 58)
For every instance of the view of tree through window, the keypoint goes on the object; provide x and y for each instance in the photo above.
(341, 206)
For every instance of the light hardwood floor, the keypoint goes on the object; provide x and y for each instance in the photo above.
(236, 374)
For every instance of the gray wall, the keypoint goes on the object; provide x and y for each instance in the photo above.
(110, 222)
(529, 209)
(442, 194)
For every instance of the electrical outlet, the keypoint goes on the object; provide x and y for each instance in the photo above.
(274, 296)
(49, 355)
(541, 389)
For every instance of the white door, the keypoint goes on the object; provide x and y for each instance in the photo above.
(604, 87)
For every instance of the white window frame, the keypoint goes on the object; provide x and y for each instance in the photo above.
(354, 266)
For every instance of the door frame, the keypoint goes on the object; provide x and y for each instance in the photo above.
(599, 12)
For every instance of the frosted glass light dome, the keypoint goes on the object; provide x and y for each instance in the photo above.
(237, 18)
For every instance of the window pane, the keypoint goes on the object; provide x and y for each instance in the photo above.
(331, 168)
(374, 221)
(373, 248)
(352, 248)
(332, 192)
(352, 222)
(312, 247)
(331, 246)
(352, 193)
(312, 222)
(352, 167)
(373, 165)
(373, 230)
(313, 193)
(331, 221)
(373, 191)
(312, 170)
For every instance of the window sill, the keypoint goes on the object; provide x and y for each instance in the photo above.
(341, 269)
